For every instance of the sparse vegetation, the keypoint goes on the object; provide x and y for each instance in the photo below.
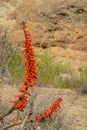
(10, 60)
(15, 66)
(5, 50)
(56, 73)
(52, 72)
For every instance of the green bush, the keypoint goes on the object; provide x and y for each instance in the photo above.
(15, 66)
(5, 50)
(49, 71)
(46, 68)
(10, 60)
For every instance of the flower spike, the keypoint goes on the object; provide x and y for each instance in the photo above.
(30, 74)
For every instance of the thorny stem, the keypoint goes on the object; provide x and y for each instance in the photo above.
(23, 122)
(10, 110)
(9, 126)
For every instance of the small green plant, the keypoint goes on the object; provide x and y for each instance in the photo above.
(15, 66)
(47, 69)
(5, 50)
(10, 60)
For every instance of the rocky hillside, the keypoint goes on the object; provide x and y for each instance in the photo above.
(52, 23)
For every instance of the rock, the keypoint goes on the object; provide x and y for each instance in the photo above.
(65, 76)
(2, 72)
(5, 76)
(83, 89)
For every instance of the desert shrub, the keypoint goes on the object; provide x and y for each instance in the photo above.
(5, 50)
(15, 66)
(56, 73)
(47, 69)
(10, 60)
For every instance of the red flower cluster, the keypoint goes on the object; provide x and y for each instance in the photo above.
(30, 71)
(52, 110)
(30, 67)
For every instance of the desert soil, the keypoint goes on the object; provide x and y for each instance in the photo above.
(73, 111)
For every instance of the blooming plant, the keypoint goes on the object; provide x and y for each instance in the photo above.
(21, 99)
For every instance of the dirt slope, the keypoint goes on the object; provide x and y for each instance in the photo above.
(73, 112)
(56, 23)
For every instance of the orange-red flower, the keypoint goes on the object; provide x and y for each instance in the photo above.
(29, 69)
(48, 113)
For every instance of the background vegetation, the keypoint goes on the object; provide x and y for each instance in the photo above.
(52, 71)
